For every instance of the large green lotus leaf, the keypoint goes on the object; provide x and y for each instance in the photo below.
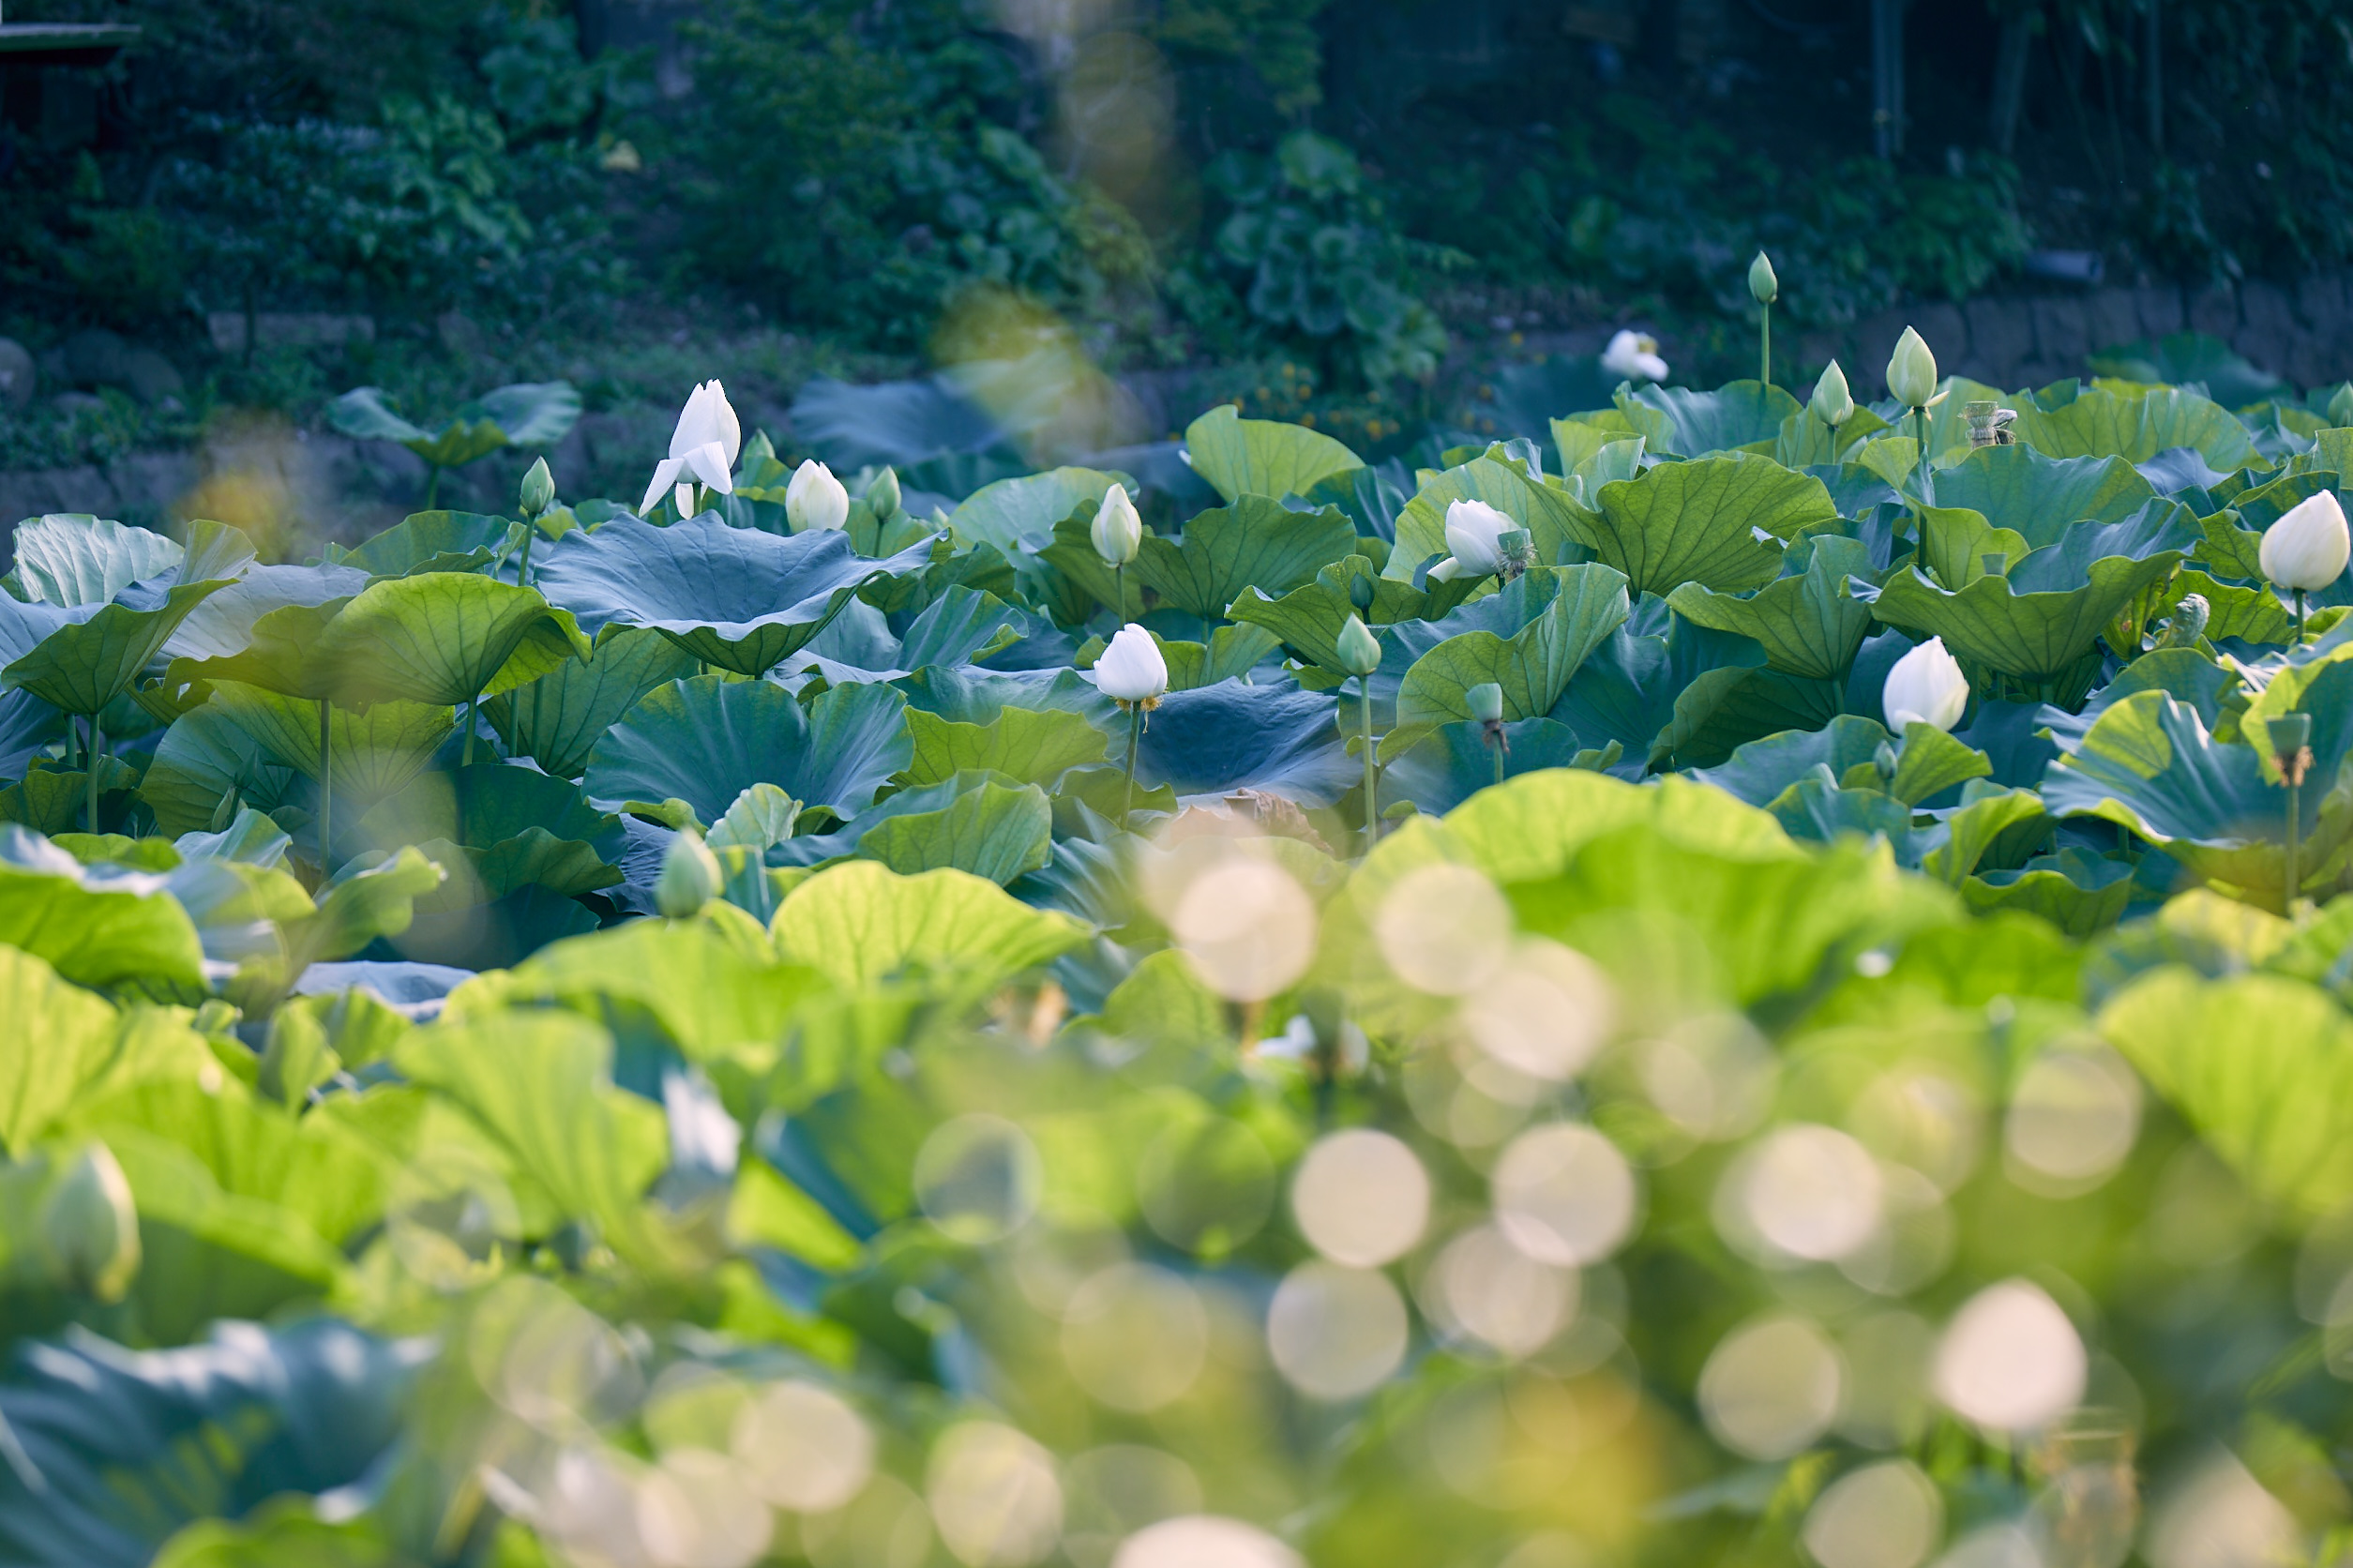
(1237, 736)
(2038, 496)
(2073, 890)
(225, 624)
(2102, 423)
(1077, 579)
(2233, 536)
(366, 414)
(859, 921)
(960, 626)
(2261, 1065)
(2150, 765)
(98, 928)
(1991, 822)
(72, 558)
(540, 1081)
(2033, 636)
(1261, 457)
(372, 753)
(707, 740)
(1809, 625)
(2185, 673)
(703, 993)
(558, 718)
(121, 1448)
(1309, 619)
(204, 756)
(1450, 764)
(1758, 771)
(735, 597)
(2251, 613)
(1552, 518)
(1017, 515)
(1582, 606)
(1721, 522)
(529, 413)
(1818, 812)
(535, 857)
(432, 542)
(56, 1040)
(2161, 528)
(282, 651)
(1726, 708)
(1035, 748)
(284, 1533)
(1695, 424)
(1930, 761)
(84, 664)
(54, 801)
(989, 829)
(1956, 543)
(1253, 542)
(445, 638)
(487, 804)
(1627, 688)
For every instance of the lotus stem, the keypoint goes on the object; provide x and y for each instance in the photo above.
(1927, 483)
(1372, 777)
(326, 791)
(522, 568)
(97, 745)
(2295, 815)
(473, 721)
(1834, 440)
(1764, 346)
(432, 487)
(1135, 734)
(2300, 612)
(1119, 590)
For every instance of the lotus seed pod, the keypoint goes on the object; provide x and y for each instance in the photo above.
(883, 494)
(1486, 703)
(2307, 548)
(1763, 287)
(2189, 622)
(1833, 401)
(1360, 650)
(1911, 370)
(538, 488)
(690, 877)
(1117, 531)
(91, 1227)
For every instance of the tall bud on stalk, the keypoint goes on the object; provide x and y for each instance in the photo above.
(1763, 287)
(1833, 401)
(883, 494)
(1360, 650)
(538, 488)
(1911, 371)
(1118, 532)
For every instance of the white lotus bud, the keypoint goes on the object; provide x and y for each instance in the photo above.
(91, 1227)
(1833, 401)
(1131, 669)
(1911, 370)
(1925, 686)
(1474, 532)
(1118, 532)
(690, 877)
(1359, 648)
(2307, 549)
(815, 498)
(1763, 287)
(1634, 356)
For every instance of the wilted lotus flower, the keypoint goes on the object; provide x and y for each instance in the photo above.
(815, 498)
(1117, 531)
(1634, 356)
(2307, 549)
(1834, 403)
(1131, 670)
(1360, 650)
(1927, 686)
(690, 877)
(704, 446)
(1474, 532)
(1911, 371)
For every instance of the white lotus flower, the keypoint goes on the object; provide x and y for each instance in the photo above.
(815, 498)
(1118, 532)
(1634, 356)
(2307, 548)
(703, 445)
(1131, 669)
(1925, 686)
(1473, 530)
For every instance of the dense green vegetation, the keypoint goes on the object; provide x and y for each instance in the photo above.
(1684, 986)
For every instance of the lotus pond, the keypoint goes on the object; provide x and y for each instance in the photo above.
(1697, 984)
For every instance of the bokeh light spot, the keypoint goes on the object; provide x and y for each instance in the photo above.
(1361, 1197)
(1564, 1195)
(1335, 1332)
(1445, 929)
(2009, 1359)
(1771, 1388)
(1883, 1515)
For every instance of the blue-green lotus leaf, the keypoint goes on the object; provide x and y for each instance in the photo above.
(1721, 522)
(1551, 517)
(961, 627)
(487, 804)
(1017, 515)
(90, 655)
(223, 625)
(1261, 456)
(974, 822)
(202, 757)
(1627, 689)
(1809, 623)
(2185, 673)
(707, 740)
(2073, 889)
(2033, 636)
(1253, 542)
(1571, 610)
(216, 1428)
(1235, 736)
(68, 559)
(373, 752)
(557, 718)
(431, 541)
(735, 597)
(444, 638)
(2160, 528)
(2098, 422)
(1758, 771)
(1452, 763)
(2039, 497)
(1723, 709)
(1681, 422)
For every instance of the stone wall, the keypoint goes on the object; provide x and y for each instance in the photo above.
(2304, 331)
